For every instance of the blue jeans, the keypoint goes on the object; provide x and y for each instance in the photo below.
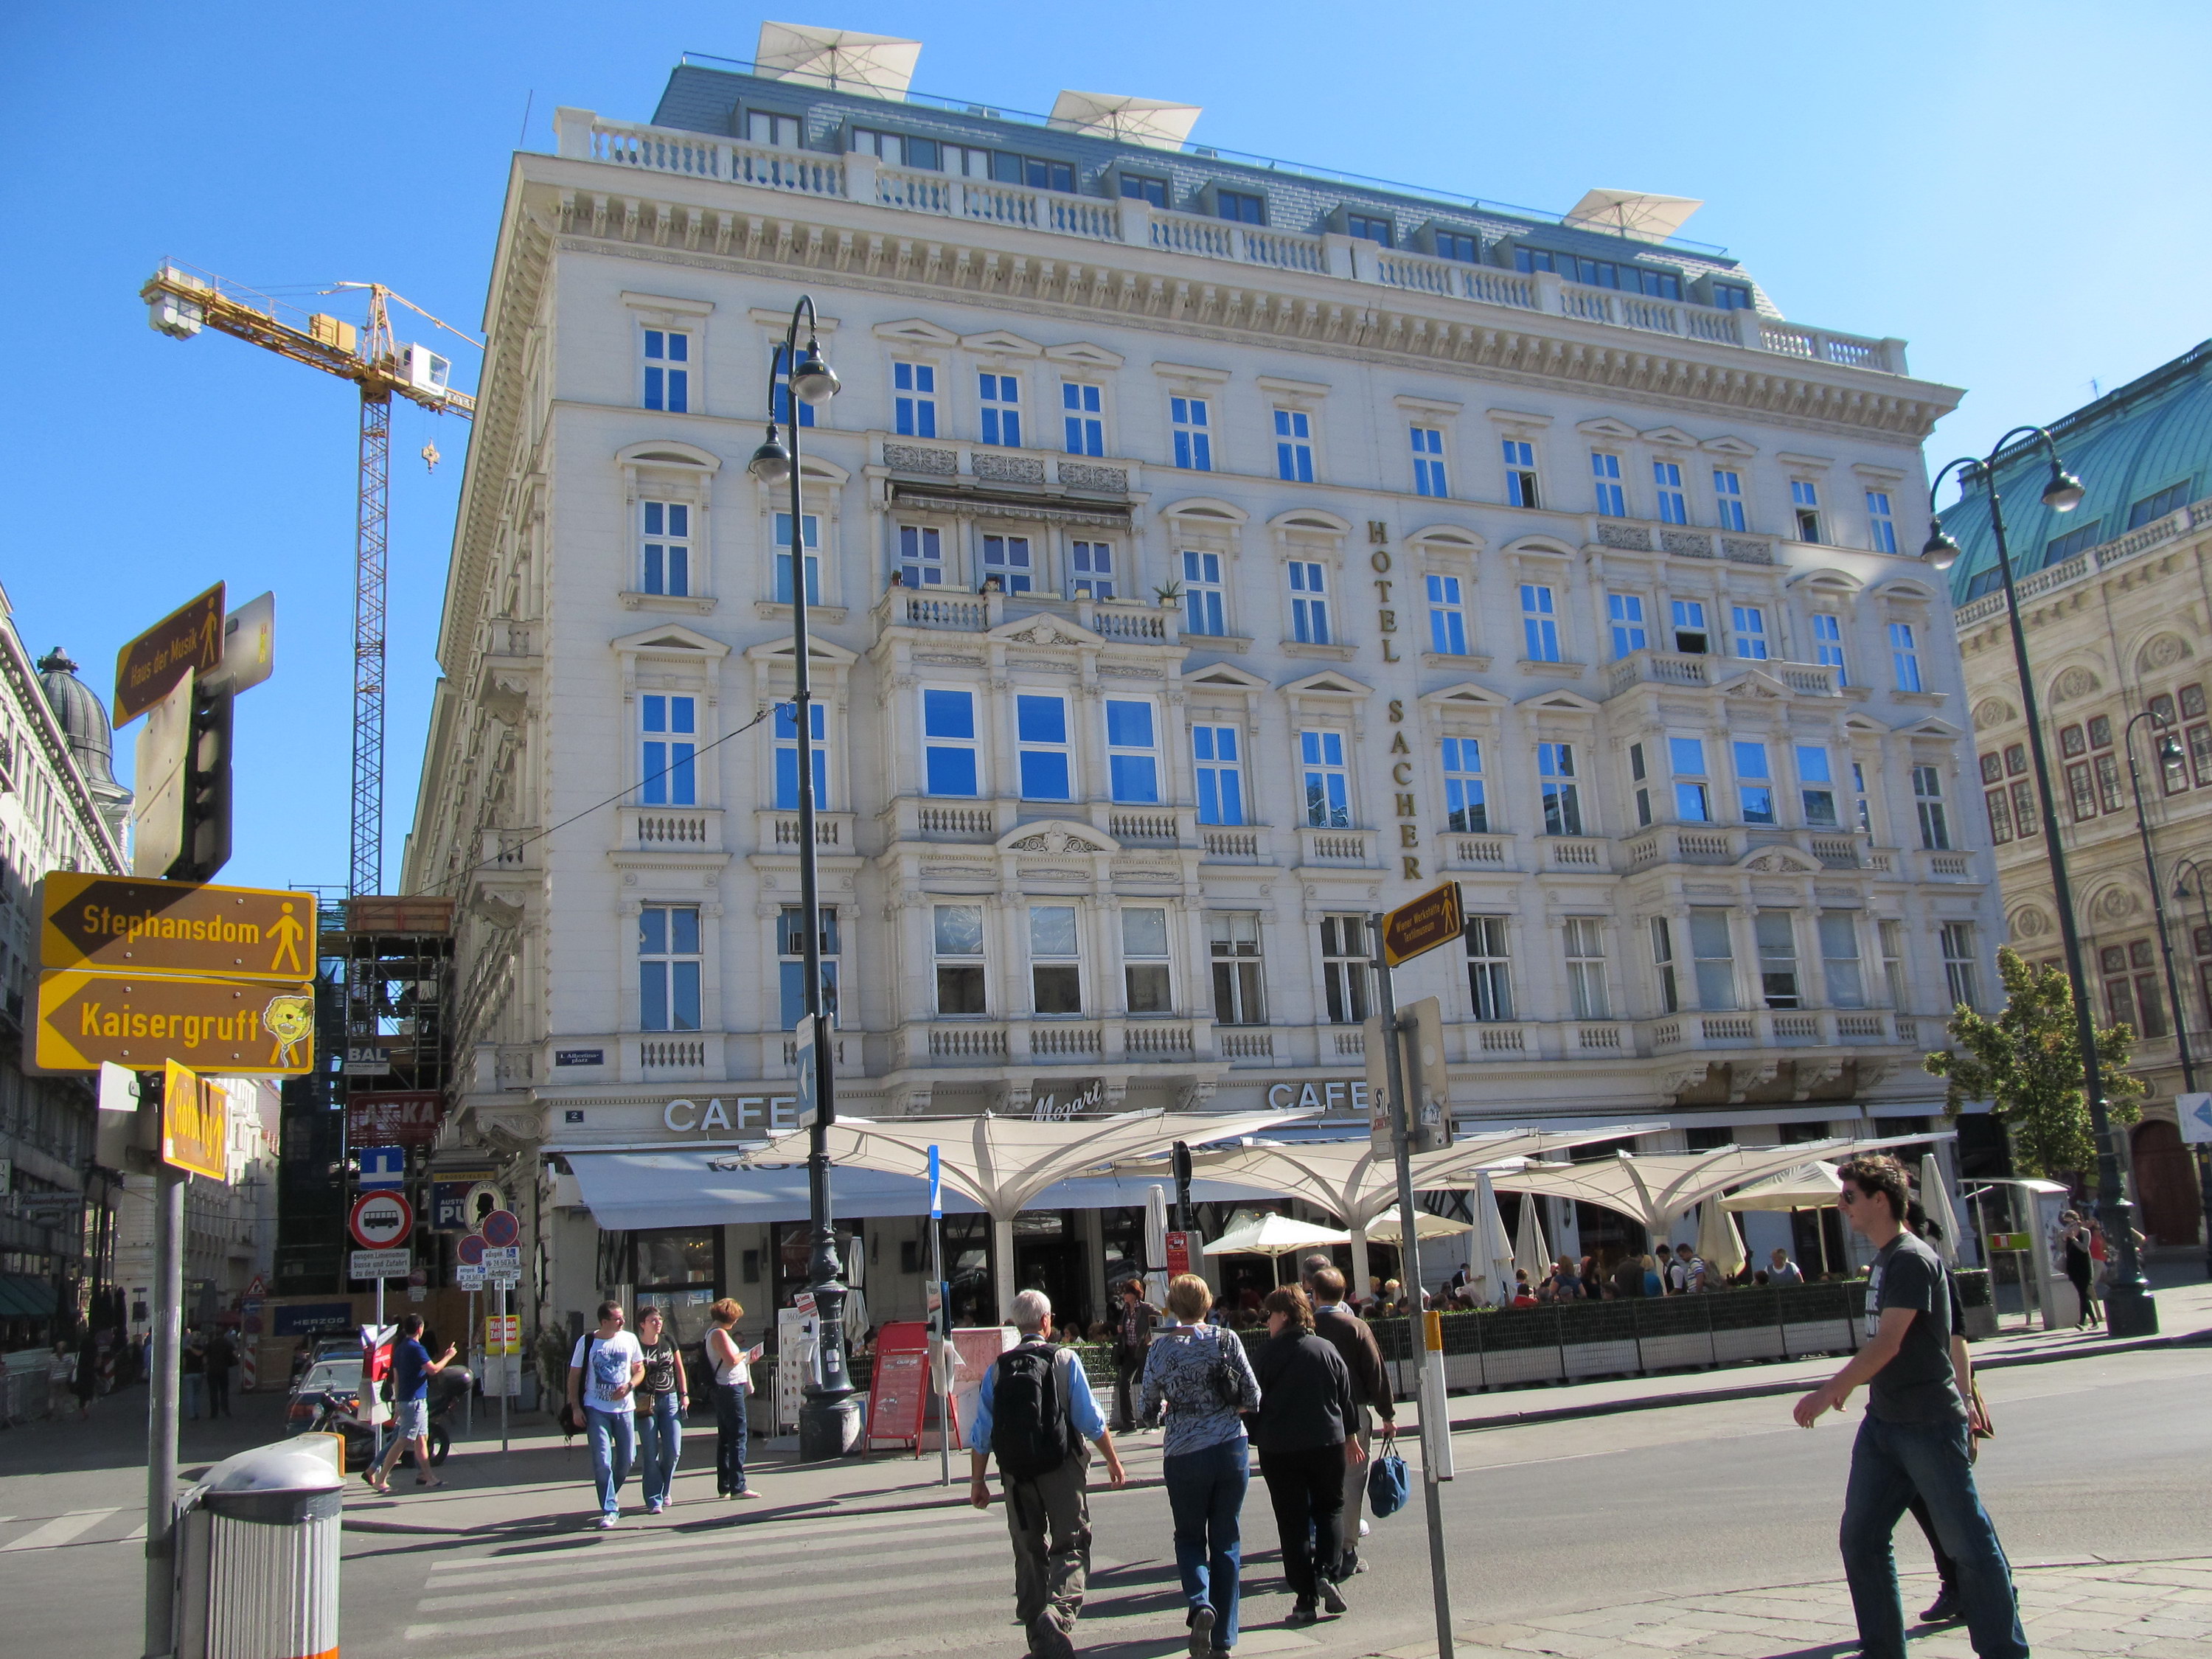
(194, 1393)
(614, 1448)
(1206, 1494)
(1890, 1461)
(729, 1439)
(660, 1444)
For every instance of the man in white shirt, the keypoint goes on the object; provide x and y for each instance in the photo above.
(1783, 1270)
(606, 1367)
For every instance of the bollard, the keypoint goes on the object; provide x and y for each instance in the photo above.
(258, 1557)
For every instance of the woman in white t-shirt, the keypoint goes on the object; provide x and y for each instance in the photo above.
(733, 1382)
(605, 1369)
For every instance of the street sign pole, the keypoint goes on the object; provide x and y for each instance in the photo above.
(476, 1339)
(940, 1322)
(506, 1388)
(162, 1424)
(1436, 1425)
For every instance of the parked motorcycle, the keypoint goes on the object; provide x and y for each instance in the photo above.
(330, 1396)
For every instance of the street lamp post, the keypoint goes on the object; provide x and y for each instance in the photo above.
(2186, 871)
(827, 1421)
(2129, 1309)
(2169, 754)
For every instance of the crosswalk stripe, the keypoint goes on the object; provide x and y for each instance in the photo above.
(755, 1539)
(676, 1575)
(59, 1530)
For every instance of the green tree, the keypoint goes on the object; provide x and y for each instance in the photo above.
(2026, 1062)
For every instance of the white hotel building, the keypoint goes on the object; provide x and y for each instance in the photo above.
(1205, 555)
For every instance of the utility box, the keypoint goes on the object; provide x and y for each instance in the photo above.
(257, 1554)
(333, 332)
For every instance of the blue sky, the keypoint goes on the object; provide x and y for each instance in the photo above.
(2014, 189)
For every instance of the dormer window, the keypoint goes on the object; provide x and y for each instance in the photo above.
(1451, 245)
(1137, 188)
(1242, 206)
(1368, 228)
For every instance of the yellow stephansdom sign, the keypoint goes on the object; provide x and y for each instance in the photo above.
(233, 1028)
(195, 1123)
(137, 926)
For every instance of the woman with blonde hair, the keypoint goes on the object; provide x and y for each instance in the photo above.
(1200, 1374)
(733, 1382)
(1303, 1433)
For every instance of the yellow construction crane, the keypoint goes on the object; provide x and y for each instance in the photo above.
(181, 302)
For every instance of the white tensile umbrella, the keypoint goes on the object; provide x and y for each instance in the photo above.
(1936, 1200)
(1530, 1254)
(1386, 1229)
(1814, 1186)
(1150, 121)
(1156, 1245)
(1719, 1243)
(878, 64)
(1493, 1249)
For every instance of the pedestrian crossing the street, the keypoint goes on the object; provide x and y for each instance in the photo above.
(101, 1526)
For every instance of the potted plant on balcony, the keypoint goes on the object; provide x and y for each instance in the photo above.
(1170, 594)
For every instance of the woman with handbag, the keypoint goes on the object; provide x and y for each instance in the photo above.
(662, 1395)
(732, 1383)
(1303, 1430)
(1200, 1374)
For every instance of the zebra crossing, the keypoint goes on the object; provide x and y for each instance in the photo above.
(113, 1525)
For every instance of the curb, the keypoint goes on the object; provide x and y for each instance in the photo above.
(1466, 1425)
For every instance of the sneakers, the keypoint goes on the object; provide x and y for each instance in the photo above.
(1332, 1598)
(746, 1492)
(608, 1523)
(1363, 1526)
(1304, 1613)
(1943, 1610)
(656, 1507)
(1201, 1633)
(1348, 1565)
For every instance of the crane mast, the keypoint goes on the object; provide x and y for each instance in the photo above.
(180, 303)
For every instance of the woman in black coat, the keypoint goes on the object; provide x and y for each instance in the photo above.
(1305, 1409)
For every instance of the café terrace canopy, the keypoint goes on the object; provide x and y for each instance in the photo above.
(1000, 1164)
(1657, 1189)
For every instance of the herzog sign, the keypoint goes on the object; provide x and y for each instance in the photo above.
(771, 1113)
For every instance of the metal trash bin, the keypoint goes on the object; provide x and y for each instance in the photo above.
(257, 1554)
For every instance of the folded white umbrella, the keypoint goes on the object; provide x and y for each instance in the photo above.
(1719, 1242)
(1530, 1255)
(856, 1297)
(1936, 1200)
(1493, 1249)
(1156, 1245)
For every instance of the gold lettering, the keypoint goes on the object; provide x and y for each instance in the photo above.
(1402, 772)
(88, 1019)
(1384, 588)
(1391, 652)
(1399, 745)
(1405, 801)
(1389, 622)
(1412, 868)
(1409, 834)
(1397, 710)
(1379, 562)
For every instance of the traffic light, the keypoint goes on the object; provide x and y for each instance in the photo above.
(205, 835)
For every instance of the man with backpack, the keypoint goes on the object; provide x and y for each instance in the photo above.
(1034, 1410)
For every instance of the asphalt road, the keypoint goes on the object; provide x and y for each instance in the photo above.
(2101, 1457)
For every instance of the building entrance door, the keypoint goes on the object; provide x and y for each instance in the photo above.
(1049, 1256)
(2166, 1180)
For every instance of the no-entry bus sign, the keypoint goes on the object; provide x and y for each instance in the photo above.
(380, 1220)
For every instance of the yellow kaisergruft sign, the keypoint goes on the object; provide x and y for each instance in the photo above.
(233, 1028)
(146, 926)
(195, 1123)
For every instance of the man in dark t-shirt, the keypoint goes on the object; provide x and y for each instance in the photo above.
(1914, 1435)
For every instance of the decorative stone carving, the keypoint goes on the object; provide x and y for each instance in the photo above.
(1807, 1075)
(507, 701)
(2030, 923)
(1043, 664)
(949, 659)
(1624, 536)
(1993, 711)
(1744, 552)
(1081, 475)
(913, 457)
(1123, 671)
(499, 912)
(1042, 632)
(1056, 875)
(1681, 1078)
(2114, 904)
(1009, 469)
(1687, 544)
(1056, 841)
(1743, 1078)
(2163, 650)
(2073, 684)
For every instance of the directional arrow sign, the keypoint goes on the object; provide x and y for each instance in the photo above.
(146, 670)
(177, 927)
(229, 1028)
(1431, 920)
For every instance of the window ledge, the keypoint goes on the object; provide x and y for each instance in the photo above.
(1565, 670)
(1446, 659)
(1235, 645)
(1326, 652)
(1923, 699)
(695, 603)
(772, 613)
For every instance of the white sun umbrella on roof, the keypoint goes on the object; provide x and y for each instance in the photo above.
(1718, 1242)
(1493, 1246)
(1936, 1200)
(1152, 121)
(881, 65)
(1000, 1163)
(1275, 1235)
(1156, 1246)
(1530, 1254)
(1638, 213)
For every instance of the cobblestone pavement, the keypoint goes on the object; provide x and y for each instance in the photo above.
(2141, 1609)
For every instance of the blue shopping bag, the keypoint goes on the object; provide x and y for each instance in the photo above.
(1388, 1488)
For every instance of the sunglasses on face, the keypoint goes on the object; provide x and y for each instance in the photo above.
(1847, 1197)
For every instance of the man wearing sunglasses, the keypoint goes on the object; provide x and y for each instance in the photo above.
(1914, 1436)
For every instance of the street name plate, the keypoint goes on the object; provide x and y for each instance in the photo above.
(379, 1264)
(189, 638)
(145, 926)
(1431, 920)
(231, 1027)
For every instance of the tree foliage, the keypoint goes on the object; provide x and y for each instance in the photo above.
(2026, 1062)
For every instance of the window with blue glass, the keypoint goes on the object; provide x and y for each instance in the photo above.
(668, 967)
(1905, 656)
(1691, 638)
(1816, 786)
(1674, 505)
(1244, 207)
(667, 548)
(1083, 415)
(1309, 602)
(1466, 806)
(1693, 794)
(1043, 750)
(1001, 397)
(1451, 245)
(1446, 617)
(786, 754)
(1828, 642)
(921, 556)
(2172, 499)
(1368, 226)
(1728, 495)
(1731, 296)
(913, 399)
(1625, 612)
(670, 739)
(1037, 171)
(1327, 781)
(1563, 795)
(1754, 783)
(1521, 473)
(1605, 473)
(1294, 445)
(1009, 559)
(1205, 598)
(2059, 548)
(1429, 461)
(782, 393)
(1090, 569)
(809, 530)
(667, 370)
(1805, 503)
(1540, 625)
(1193, 435)
(1881, 527)
(1136, 187)
(1747, 626)
(1217, 753)
(1132, 756)
(791, 950)
(948, 743)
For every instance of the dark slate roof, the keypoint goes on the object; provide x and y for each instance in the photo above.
(2147, 443)
(83, 717)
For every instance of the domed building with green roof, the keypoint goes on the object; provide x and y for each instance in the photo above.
(2116, 598)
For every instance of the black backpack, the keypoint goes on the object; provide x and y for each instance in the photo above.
(1031, 1431)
